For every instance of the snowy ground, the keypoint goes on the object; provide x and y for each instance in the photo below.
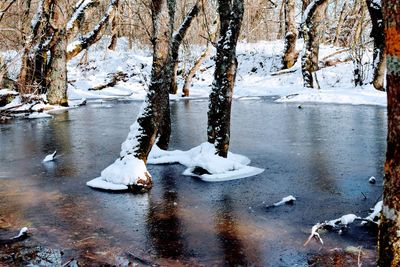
(256, 63)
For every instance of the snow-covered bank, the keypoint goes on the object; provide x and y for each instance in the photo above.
(257, 61)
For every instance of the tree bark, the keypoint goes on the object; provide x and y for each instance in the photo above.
(219, 114)
(389, 228)
(114, 32)
(155, 109)
(289, 53)
(177, 39)
(377, 33)
(56, 76)
(310, 27)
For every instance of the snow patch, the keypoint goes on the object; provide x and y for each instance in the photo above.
(202, 162)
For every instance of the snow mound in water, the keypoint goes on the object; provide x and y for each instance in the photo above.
(123, 172)
(203, 163)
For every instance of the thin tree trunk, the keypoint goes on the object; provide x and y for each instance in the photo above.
(219, 114)
(114, 32)
(289, 53)
(310, 27)
(176, 43)
(199, 61)
(281, 32)
(339, 24)
(389, 227)
(377, 33)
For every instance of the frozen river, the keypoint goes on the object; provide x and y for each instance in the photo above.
(322, 154)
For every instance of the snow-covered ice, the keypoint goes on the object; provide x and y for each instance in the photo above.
(213, 167)
(285, 200)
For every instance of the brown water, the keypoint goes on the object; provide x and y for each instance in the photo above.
(322, 154)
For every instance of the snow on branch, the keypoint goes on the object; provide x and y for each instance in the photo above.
(78, 15)
(310, 10)
(92, 37)
(180, 33)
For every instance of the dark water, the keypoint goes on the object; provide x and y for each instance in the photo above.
(322, 154)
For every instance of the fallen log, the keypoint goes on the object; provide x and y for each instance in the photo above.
(116, 77)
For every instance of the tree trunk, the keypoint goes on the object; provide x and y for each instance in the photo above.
(56, 76)
(289, 53)
(377, 33)
(114, 32)
(176, 43)
(339, 24)
(389, 228)
(189, 77)
(155, 108)
(57, 73)
(282, 23)
(219, 114)
(310, 28)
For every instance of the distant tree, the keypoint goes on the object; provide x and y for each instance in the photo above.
(389, 227)
(219, 114)
(289, 52)
(339, 24)
(310, 31)
(377, 33)
(50, 34)
(177, 39)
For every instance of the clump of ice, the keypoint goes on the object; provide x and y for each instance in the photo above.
(375, 214)
(214, 168)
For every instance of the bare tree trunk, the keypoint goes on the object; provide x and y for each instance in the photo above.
(289, 53)
(114, 31)
(189, 77)
(219, 114)
(377, 32)
(155, 109)
(177, 39)
(56, 76)
(310, 26)
(339, 24)
(282, 25)
(389, 227)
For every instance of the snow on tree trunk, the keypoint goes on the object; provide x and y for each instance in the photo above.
(75, 22)
(289, 53)
(377, 32)
(309, 27)
(389, 228)
(130, 169)
(176, 43)
(219, 114)
(75, 47)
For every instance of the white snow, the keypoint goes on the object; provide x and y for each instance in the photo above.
(23, 231)
(50, 157)
(344, 220)
(257, 61)
(288, 199)
(123, 172)
(216, 168)
(375, 214)
(372, 180)
(39, 115)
